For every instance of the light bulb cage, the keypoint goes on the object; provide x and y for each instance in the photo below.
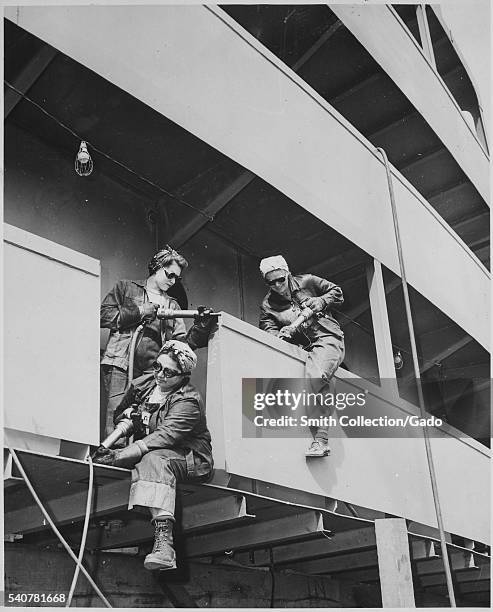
(83, 161)
(398, 360)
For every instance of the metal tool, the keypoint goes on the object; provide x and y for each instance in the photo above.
(201, 313)
(288, 331)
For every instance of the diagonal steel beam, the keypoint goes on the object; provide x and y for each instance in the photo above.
(216, 512)
(133, 528)
(113, 497)
(422, 158)
(465, 224)
(362, 575)
(384, 129)
(480, 586)
(341, 262)
(69, 508)
(339, 563)
(213, 208)
(177, 593)
(264, 533)
(479, 243)
(354, 89)
(483, 253)
(441, 193)
(423, 549)
(362, 561)
(468, 576)
(29, 75)
(358, 310)
(234, 188)
(458, 561)
(326, 36)
(440, 356)
(344, 541)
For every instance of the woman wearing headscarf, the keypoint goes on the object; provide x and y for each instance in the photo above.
(321, 336)
(172, 443)
(131, 303)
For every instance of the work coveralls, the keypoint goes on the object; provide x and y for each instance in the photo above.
(322, 337)
(176, 447)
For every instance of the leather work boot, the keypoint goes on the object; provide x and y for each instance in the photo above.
(318, 448)
(163, 555)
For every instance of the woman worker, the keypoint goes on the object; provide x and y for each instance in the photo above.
(321, 336)
(172, 444)
(131, 303)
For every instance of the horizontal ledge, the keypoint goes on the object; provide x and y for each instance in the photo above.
(33, 243)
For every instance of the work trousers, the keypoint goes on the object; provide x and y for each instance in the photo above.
(115, 382)
(154, 478)
(324, 357)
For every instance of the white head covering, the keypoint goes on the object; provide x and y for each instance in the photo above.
(182, 353)
(277, 262)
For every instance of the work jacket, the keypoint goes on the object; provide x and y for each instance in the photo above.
(120, 313)
(178, 422)
(277, 311)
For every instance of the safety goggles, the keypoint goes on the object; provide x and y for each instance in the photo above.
(166, 372)
(172, 275)
(276, 281)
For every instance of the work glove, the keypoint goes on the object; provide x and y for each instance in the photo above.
(317, 304)
(287, 332)
(204, 319)
(131, 399)
(126, 457)
(134, 414)
(148, 311)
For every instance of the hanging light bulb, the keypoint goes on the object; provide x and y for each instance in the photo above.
(398, 360)
(83, 161)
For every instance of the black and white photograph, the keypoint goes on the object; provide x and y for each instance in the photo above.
(246, 305)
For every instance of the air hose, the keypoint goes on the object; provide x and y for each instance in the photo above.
(164, 313)
(78, 561)
(131, 356)
(84, 533)
(417, 374)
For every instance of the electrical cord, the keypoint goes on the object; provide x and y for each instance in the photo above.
(84, 533)
(53, 526)
(105, 155)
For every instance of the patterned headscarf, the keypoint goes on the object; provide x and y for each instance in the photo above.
(182, 353)
(164, 257)
(277, 262)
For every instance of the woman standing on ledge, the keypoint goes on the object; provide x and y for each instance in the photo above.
(131, 303)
